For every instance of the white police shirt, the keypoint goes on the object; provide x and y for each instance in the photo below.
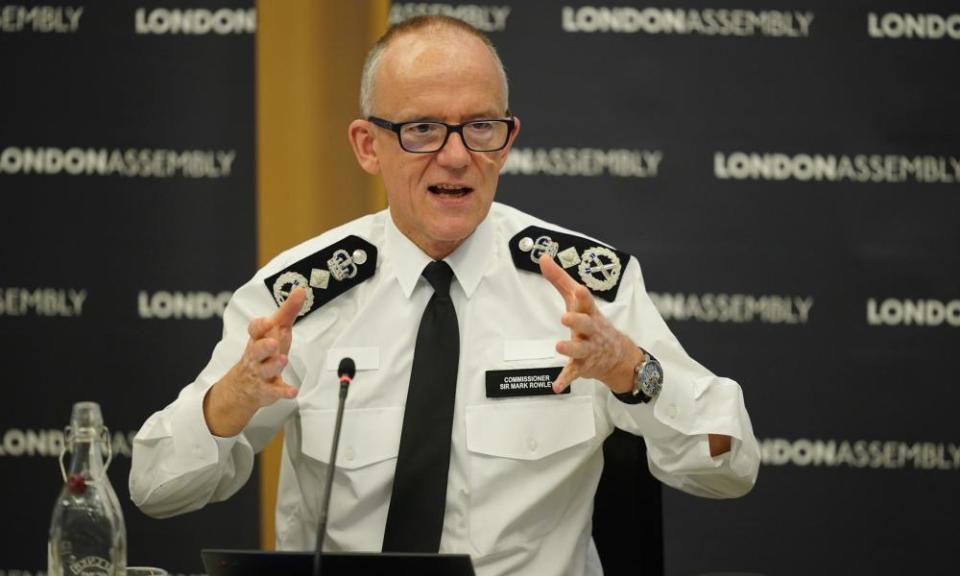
(523, 470)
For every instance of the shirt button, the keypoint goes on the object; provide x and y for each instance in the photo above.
(349, 453)
(672, 411)
(532, 444)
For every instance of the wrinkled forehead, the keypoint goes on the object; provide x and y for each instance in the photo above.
(418, 68)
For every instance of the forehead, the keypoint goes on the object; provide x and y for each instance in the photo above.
(445, 75)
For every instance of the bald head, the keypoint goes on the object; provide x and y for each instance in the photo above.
(422, 39)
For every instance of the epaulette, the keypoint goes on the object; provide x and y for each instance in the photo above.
(325, 274)
(590, 263)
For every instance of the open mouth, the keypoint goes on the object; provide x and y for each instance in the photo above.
(450, 190)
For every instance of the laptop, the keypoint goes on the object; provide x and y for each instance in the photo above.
(260, 563)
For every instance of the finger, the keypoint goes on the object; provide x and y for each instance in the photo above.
(567, 375)
(576, 349)
(260, 350)
(285, 390)
(581, 324)
(583, 300)
(562, 281)
(290, 309)
(258, 327)
(285, 337)
(276, 389)
(281, 389)
(273, 366)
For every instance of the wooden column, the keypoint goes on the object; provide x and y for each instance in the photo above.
(309, 57)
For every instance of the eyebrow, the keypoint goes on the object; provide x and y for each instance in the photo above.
(470, 118)
(423, 119)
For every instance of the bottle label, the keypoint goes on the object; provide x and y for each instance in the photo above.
(91, 566)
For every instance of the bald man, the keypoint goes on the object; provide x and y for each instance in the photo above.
(547, 341)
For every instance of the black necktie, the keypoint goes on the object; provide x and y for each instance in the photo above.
(415, 519)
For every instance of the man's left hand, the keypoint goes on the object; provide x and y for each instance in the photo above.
(596, 349)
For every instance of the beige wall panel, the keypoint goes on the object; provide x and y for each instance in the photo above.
(309, 56)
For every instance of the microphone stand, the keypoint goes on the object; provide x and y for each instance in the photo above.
(345, 378)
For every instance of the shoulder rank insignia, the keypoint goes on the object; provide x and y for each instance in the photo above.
(325, 274)
(590, 263)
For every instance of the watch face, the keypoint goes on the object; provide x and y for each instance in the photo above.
(652, 372)
(651, 378)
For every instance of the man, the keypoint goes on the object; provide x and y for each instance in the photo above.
(519, 459)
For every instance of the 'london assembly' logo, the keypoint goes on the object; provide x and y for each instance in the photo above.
(734, 308)
(195, 21)
(47, 302)
(705, 22)
(163, 305)
(894, 25)
(876, 454)
(481, 17)
(857, 168)
(129, 162)
(919, 312)
(31, 442)
(622, 163)
(40, 19)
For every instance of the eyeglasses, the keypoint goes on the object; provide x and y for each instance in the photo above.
(427, 137)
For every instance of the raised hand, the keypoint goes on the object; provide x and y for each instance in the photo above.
(255, 380)
(596, 349)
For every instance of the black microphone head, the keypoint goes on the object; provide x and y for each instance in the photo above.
(347, 368)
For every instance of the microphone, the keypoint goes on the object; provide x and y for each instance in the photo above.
(345, 372)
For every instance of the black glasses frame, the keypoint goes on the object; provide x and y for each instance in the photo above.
(451, 128)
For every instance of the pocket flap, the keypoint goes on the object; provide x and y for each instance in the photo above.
(366, 358)
(529, 430)
(528, 349)
(368, 435)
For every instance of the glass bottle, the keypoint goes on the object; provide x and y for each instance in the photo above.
(87, 534)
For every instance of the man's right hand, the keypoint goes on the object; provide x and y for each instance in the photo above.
(255, 381)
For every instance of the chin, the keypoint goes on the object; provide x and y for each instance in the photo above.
(451, 236)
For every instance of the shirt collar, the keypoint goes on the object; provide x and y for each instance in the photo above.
(470, 261)
(473, 259)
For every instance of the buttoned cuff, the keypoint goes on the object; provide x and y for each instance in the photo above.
(194, 445)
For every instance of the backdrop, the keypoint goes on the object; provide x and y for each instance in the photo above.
(787, 174)
(126, 219)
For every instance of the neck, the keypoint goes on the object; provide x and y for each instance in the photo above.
(435, 249)
(438, 250)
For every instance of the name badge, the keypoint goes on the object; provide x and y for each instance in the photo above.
(523, 382)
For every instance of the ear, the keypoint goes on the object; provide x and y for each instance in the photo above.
(361, 138)
(502, 154)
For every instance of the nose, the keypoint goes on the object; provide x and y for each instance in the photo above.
(454, 153)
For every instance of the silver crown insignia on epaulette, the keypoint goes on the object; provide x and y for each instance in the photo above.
(343, 265)
(542, 245)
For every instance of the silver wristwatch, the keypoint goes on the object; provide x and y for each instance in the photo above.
(647, 381)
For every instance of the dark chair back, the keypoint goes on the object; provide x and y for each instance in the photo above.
(628, 511)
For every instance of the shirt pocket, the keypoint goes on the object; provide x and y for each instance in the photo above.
(320, 390)
(366, 459)
(368, 435)
(527, 461)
